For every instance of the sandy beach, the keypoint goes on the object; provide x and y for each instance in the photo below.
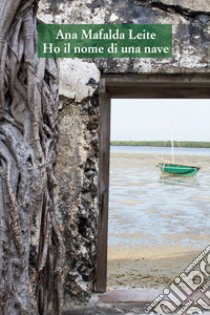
(143, 267)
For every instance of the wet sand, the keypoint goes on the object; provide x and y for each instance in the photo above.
(140, 267)
(156, 227)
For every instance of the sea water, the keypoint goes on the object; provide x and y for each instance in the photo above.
(158, 210)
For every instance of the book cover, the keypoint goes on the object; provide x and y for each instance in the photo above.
(79, 216)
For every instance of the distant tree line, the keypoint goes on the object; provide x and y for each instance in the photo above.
(182, 144)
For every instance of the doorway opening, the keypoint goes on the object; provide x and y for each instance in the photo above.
(158, 223)
(142, 87)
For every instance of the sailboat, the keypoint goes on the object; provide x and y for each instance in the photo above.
(177, 169)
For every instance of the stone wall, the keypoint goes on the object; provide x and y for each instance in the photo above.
(77, 163)
(77, 169)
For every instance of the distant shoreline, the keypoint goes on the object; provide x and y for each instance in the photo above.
(182, 144)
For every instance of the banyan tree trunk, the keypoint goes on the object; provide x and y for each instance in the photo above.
(31, 247)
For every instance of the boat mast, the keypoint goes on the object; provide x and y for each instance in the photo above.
(172, 144)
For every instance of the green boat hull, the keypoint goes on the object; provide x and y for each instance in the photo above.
(178, 169)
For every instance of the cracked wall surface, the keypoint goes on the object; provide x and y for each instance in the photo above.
(191, 5)
(77, 163)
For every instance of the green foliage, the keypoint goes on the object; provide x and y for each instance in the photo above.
(182, 144)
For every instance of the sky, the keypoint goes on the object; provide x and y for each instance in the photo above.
(157, 119)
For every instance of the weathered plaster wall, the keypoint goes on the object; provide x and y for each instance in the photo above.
(77, 170)
(191, 29)
(77, 164)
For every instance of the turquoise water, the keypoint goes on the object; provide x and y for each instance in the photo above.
(148, 209)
